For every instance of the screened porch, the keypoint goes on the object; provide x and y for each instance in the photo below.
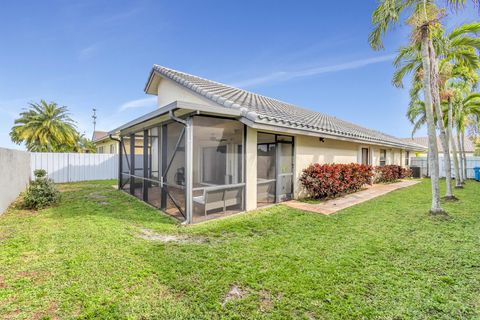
(191, 168)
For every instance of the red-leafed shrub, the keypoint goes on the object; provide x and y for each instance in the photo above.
(391, 173)
(331, 180)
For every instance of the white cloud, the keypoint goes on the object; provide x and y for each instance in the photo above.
(139, 103)
(288, 75)
(88, 52)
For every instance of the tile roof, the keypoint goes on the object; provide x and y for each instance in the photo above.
(97, 135)
(469, 145)
(262, 109)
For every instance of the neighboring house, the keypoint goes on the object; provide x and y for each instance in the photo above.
(104, 143)
(469, 145)
(212, 149)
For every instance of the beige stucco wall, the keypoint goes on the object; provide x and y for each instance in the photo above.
(170, 91)
(309, 150)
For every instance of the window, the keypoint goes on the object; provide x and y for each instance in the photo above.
(112, 148)
(407, 158)
(100, 149)
(383, 157)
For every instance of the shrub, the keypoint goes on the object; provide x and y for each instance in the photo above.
(391, 173)
(332, 180)
(41, 192)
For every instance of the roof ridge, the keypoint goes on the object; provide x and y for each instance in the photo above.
(246, 91)
(258, 107)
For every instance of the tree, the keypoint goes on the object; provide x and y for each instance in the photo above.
(423, 18)
(456, 59)
(44, 127)
(85, 145)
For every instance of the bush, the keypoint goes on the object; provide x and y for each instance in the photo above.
(391, 173)
(332, 180)
(41, 192)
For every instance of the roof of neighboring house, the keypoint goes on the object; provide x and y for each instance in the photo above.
(469, 145)
(99, 135)
(264, 110)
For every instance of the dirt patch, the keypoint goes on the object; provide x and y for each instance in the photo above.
(235, 293)
(2, 282)
(151, 235)
(50, 313)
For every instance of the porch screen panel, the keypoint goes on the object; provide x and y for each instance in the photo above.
(153, 170)
(174, 177)
(125, 159)
(218, 182)
(138, 165)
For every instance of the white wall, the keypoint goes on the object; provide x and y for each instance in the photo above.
(169, 91)
(15, 173)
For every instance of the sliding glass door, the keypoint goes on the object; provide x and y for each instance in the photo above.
(274, 168)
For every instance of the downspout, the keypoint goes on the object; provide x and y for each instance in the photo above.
(119, 160)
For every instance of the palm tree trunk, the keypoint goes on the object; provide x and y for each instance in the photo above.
(464, 155)
(460, 155)
(438, 110)
(458, 179)
(432, 136)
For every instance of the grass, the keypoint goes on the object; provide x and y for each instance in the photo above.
(385, 258)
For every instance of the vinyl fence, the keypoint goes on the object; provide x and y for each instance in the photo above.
(71, 167)
(421, 162)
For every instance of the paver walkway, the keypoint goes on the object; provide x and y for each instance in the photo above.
(331, 206)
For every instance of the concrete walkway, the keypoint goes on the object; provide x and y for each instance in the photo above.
(331, 206)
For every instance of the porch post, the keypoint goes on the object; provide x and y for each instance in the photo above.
(251, 169)
(120, 160)
(145, 165)
(164, 160)
(189, 169)
(132, 163)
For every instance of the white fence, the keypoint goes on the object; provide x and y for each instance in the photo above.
(421, 162)
(70, 167)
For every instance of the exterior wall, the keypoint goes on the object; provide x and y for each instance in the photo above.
(251, 169)
(107, 146)
(15, 173)
(309, 150)
(169, 91)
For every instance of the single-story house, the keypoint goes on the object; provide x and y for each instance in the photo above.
(211, 149)
(108, 143)
(104, 143)
(468, 145)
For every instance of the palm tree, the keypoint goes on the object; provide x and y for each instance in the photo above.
(423, 17)
(457, 48)
(85, 145)
(466, 112)
(44, 127)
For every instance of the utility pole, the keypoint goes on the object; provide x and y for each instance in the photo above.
(94, 117)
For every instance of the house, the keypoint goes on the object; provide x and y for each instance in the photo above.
(468, 145)
(211, 149)
(104, 143)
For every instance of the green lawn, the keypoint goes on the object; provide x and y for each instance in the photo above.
(382, 259)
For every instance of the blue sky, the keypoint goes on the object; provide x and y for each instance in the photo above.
(85, 54)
